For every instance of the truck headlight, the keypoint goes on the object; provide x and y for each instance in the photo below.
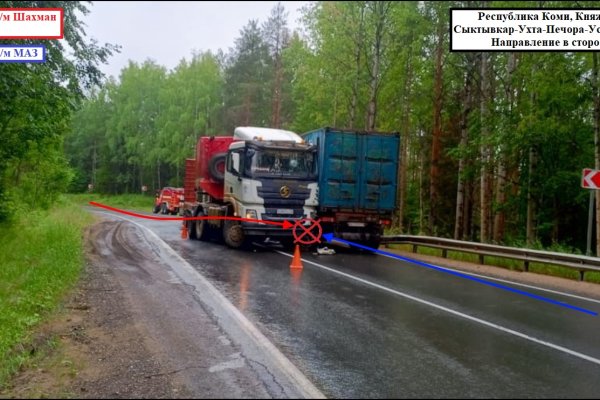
(251, 214)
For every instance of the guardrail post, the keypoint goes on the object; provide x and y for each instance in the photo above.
(414, 248)
(444, 253)
(526, 265)
(581, 272)
(481, 259)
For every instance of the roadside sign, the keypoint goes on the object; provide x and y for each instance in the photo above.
(590, 178)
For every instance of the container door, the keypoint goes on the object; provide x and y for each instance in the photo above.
(379, 166)
(340, 170)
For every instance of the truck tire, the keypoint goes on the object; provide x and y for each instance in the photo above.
(189, 225)
(156, 209)
(214, 167)
(164, 209)
(202, 229)
(233, 234)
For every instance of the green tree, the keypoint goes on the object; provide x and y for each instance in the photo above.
(191, 99)
(248, 77)
(36, 100)
(133, 125)
(276, 36)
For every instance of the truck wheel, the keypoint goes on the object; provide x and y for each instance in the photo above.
(190, 226)
(156, 209)
(203, 231)
(164, 209)
(216, 167)
(233, 234)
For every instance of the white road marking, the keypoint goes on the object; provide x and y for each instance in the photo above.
(511, 282)
(454, 312)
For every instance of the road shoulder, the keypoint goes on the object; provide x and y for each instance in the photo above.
(130, 329)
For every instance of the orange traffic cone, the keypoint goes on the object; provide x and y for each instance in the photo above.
(296, 261)
(184, 232)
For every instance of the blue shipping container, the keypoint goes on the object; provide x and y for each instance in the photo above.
(357, 170)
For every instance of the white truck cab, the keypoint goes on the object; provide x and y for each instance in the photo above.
(270, 174)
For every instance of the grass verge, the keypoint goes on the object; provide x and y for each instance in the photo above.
(41, 255)
(136, 202)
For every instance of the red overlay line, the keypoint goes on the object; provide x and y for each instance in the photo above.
(285, 224)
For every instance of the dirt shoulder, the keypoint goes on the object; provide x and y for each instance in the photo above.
(131, 330)
(98, 352)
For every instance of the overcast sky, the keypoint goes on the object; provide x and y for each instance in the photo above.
(167, 31)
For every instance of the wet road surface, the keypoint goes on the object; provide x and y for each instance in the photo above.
(189, 335)
(368, 326)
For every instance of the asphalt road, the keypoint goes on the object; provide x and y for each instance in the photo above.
(370, 326)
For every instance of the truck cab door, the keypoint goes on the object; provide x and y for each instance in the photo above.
(233, 180)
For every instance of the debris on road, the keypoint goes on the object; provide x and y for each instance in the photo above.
(325, 251)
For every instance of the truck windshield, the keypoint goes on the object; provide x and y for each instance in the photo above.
(280, 163)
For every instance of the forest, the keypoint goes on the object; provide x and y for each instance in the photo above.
(492, 143)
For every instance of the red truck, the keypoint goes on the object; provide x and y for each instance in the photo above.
(168, 200)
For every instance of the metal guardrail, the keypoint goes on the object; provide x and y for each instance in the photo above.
(580, 263)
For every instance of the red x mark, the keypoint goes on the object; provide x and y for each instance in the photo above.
(313, 238)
